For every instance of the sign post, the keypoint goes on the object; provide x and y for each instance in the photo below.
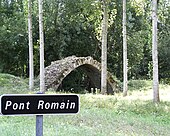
(39, 125)
(38, 104)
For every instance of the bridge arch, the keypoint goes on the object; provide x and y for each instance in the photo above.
(58, 70)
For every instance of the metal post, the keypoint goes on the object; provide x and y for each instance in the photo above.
(39, 125)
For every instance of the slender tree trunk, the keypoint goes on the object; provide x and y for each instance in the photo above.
(104, 49)
(41, 33)
(31, 63)
(125, 68)
(155, 53)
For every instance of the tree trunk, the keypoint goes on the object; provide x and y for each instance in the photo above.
(41, 33)
(31, 63)
(125, 68)
(104, 49)
(155, 53)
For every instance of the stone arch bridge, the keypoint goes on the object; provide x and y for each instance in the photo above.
(58, 70)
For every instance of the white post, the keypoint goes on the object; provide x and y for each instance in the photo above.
(41, 33)
(155, 53)
(104, 50)
(31, 64)
(125, 69)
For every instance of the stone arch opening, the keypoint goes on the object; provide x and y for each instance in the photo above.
(59, 70)
(77, 82)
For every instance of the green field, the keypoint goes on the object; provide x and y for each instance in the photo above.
(100, 115)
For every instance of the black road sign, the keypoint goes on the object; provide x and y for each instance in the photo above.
(38, 104)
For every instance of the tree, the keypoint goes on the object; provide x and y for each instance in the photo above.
(155, 53)
(164, 40)
(31, 63)
(14, 37)
(41, 34)
(104, 49)
(115, 40)
(125, 68)
(73, 27)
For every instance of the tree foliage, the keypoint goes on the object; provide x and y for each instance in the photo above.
(73, 27)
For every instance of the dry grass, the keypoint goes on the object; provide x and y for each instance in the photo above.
(100, 115)
(145, 95)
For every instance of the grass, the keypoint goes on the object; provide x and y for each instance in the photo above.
(12, 84)
(100, 115)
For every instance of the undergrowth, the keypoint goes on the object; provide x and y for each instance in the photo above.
(101, 115)
(12, 84)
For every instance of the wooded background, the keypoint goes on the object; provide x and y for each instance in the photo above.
(73, 27)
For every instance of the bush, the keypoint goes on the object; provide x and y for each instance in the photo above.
(139, 84)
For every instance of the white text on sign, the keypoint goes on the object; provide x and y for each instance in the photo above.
(17, 106)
